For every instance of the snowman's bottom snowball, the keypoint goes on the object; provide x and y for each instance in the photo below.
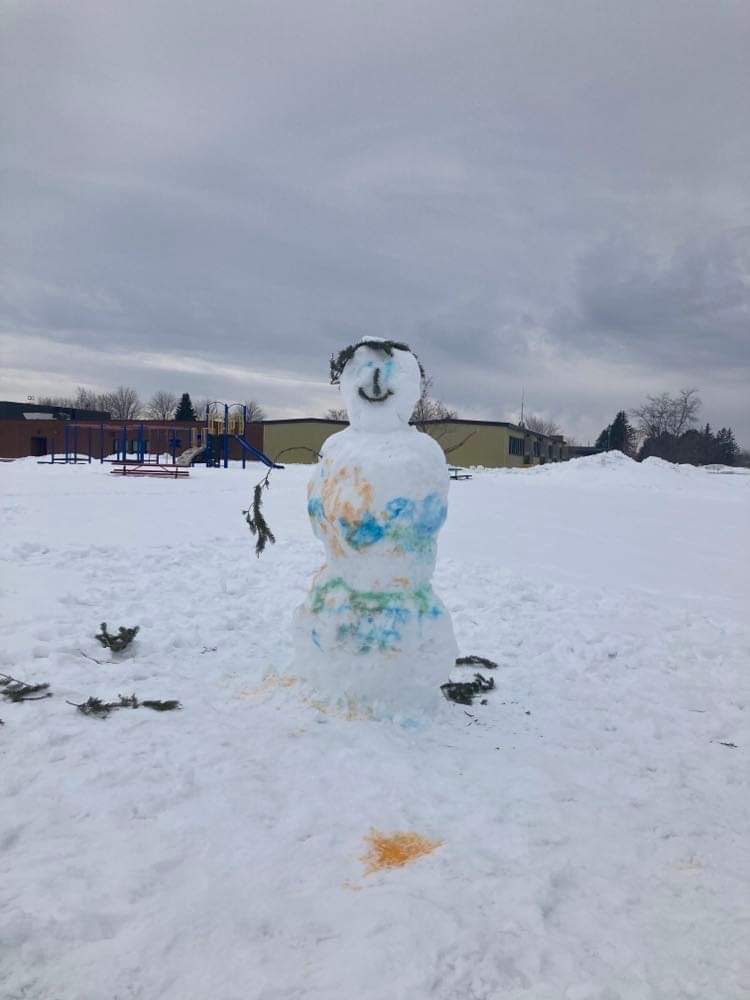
(385, 684)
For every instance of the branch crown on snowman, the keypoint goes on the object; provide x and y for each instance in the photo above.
(339, 361)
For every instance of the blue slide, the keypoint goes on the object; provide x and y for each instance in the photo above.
(255, 453)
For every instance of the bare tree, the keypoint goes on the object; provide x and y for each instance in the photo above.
(665, 414)
(53, 400)
(541, 426)
(162, 405)
(200, 406)
(428, 408)
(123, 403)
(255, 411)
(337, 413)
(83, 399)
(88, 399)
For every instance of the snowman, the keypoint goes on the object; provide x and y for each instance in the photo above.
(372, 631)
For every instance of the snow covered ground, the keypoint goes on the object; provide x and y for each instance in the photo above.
(593, 816)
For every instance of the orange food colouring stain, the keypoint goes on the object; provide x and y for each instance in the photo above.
(337, 491)
(395, 850)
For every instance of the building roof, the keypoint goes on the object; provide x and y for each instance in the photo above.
(557, 438)
(302, 420)
(495, 423)
(39, 411)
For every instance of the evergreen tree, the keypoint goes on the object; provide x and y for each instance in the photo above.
(619, 436)
(726, 446)
(710, 451)
(693, 447)
(659, 446)
(622, 435)
(185, 409)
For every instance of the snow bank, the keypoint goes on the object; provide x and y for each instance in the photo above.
(591, 819)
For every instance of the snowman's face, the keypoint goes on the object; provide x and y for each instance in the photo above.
(380, 389)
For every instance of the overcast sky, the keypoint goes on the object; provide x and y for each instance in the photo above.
(214, 196)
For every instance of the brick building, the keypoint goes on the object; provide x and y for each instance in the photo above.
(29, 429)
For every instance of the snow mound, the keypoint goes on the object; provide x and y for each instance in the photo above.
(614, 464)
(604, 466)
(604, 460)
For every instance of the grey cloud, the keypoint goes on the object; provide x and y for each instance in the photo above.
(692, 308)
(531, 194)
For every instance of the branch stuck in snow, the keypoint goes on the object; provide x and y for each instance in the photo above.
(476, 661)
(15, 690)
(464, 692)
(102, 709)
(117, 642)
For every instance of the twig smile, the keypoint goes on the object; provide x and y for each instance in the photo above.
(375, 399)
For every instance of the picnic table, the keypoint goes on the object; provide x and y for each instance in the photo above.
(149, 469)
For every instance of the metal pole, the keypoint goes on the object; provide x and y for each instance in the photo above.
(226, 435)
(244, 431)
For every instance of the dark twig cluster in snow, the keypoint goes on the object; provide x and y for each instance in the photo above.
(464, 692)
(102, 709)
(15, 690)
(12, 689)
(117, 642)
(476, 661)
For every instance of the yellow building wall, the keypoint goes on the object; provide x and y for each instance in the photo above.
(298, 436)
(489, 445)
(471, 444)
(466, 443)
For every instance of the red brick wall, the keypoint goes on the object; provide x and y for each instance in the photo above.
(16, 436)
(21, 438)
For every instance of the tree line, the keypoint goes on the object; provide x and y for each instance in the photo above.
(124, 403)
(666, 427)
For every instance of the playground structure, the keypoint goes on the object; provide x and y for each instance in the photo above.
(120, 443)
(220, 436)
(72, 446)
(225, 424)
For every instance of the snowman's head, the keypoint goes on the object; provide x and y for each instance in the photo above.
(380, 382)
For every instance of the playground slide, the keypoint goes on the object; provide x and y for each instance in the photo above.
(255, 453)
(186, 457)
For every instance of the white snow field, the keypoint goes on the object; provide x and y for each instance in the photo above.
(593, 817)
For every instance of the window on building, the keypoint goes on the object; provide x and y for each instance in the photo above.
(515, 445)
(549, 451)
(537, 450)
